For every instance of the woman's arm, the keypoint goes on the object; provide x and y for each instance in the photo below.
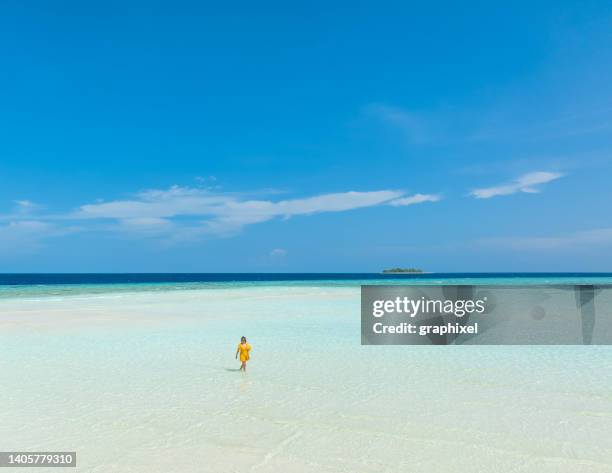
(237, 351)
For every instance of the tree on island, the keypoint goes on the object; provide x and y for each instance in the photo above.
(403, 270)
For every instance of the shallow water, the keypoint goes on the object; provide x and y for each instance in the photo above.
(37, 286)
(146, 382)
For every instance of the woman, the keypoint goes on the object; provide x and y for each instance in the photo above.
(243, 350)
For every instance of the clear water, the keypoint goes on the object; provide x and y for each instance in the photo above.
(58, 285)
(142, 380)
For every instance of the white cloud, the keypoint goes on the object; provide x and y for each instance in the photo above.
(27, 226)
(146, 226)
(156, 204)
(183, 213)
(223, 213)
(27, 235)
(278, 253)
(254, 211)
(415, 199)
(525, 183)
(25, 206)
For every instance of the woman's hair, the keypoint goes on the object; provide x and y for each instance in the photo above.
(243, 338)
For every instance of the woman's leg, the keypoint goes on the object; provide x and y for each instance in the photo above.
(243, 367)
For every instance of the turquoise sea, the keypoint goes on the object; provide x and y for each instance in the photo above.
(40, 285)
(137, 374)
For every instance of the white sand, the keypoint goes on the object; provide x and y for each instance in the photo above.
(146, 382)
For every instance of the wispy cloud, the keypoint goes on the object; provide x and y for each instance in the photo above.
(146, 226)
(415, 199)
(25, 236)
(221, 213)
(25, 206)
(411, 124)
(593, 120)
(278, 253)
(185, 213)
(526, 183)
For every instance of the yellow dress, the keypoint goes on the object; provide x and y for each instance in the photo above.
(244, 351)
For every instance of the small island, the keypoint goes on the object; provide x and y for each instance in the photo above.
(402, 270)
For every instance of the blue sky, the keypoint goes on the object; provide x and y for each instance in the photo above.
(313, 136)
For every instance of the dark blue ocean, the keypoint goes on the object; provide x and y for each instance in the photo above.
(25, 285)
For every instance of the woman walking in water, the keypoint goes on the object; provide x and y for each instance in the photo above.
(244, 351)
